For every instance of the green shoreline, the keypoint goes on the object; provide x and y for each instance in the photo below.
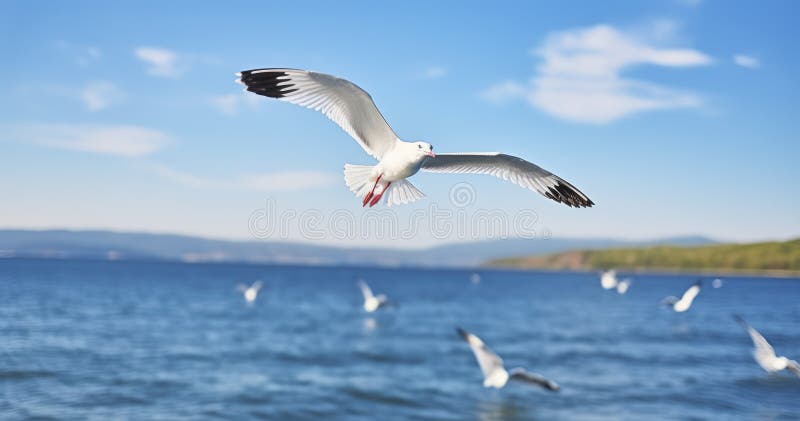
(776, 259)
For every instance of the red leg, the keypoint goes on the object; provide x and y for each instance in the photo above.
(377, 198)
(369, 195)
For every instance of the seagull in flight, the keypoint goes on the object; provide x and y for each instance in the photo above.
(608, 279)
(372, 302)
(494, 374)
(250, 292)
(685, 302)
(765, 355)
(475, 278)
(353, 110)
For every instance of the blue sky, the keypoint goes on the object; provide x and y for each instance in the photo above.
(675, 117)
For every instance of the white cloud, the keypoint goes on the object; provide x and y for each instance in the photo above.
(127, 141)
(161, 62)
(99, 95)
(580, 78)
(265, 182)
(749, 62)
(434, 72)
(231, 104)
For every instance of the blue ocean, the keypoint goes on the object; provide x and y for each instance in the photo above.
(169, 341)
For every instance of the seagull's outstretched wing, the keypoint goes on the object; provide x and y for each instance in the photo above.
(623, 285)
(692, 292)
(488, 360)
(525, 376)
(763, 351)
(340, 100)
(511, 168)
(365, 290)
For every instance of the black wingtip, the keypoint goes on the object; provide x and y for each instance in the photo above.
(273, 83)
(566, 193)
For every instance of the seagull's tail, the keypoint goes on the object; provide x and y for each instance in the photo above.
(402, 192)
(359, 179)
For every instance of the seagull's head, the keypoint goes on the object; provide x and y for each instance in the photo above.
(424, 149)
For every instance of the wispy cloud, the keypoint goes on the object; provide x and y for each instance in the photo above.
(504, 91)
(129, 141)
(288, 181)
(580, 77)
(161, 61)
(434, 72)
(265, 182)
(99, 95)
(232, 104)
(82, 55)
(749, 62)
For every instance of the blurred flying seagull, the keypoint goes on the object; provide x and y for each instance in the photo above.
(250, 293)
(475, 278)
(353, 110)
(623, 285)
(494, 374)
(765, 355)
(372, 302)
(608, 279)
(685, 302)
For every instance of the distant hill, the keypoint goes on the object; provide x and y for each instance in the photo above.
(109, 245)
(755, 257)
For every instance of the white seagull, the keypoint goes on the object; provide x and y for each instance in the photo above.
(250, 292)
(623, 285)
(353, 110)
(372, 302)
(475, 278)
(608, 279)
(685, 302)
(765, 355)
(494, 374)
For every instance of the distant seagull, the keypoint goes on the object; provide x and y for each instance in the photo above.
(372, 302)
(353, 110)
(608, 279)
(716, 283)
(494, 374)
(685, 301)
(475, 278)
(623, 285)
(250, 293)
(765, 355)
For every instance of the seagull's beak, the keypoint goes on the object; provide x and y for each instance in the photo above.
(431, 154)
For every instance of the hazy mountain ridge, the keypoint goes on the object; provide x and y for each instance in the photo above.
(111, 245)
